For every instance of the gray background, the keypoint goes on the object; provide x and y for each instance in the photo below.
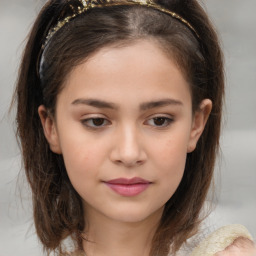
(235, 20)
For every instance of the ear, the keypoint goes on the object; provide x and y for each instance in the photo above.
(199, 120)
(50, 129)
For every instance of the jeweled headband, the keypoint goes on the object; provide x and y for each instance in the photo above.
(85, 5)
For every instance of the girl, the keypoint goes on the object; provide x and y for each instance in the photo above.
(119, 113)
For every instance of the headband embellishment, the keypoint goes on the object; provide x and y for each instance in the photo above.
(90, 4)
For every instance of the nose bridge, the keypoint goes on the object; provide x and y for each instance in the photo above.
(128, 148)
(129, 138)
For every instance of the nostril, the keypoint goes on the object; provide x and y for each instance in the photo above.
(129, 163)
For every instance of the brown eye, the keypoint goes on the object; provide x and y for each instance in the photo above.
(160, 121)
(95, 123)
(98, 121)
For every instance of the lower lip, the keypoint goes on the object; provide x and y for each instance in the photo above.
(128, 189)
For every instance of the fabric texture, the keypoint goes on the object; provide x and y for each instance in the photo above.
(220, 239)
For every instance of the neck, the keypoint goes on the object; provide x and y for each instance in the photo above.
(108, 237)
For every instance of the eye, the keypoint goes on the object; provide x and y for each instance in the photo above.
(160, 121)
(95, 123)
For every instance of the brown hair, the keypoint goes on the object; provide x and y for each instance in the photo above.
(58, 211)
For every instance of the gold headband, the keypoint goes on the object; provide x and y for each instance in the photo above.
(90, 4)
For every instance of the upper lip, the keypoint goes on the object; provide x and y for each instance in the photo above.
(125, 181)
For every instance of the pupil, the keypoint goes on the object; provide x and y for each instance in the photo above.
(159, 121)
(98, 121)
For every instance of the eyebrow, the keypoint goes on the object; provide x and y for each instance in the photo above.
(95, 103)
(160, 103)
(143, 106)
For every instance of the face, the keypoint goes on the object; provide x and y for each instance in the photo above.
(124, 125)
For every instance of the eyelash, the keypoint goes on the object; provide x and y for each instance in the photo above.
(92, 126)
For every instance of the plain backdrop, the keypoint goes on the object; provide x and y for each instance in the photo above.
(235, 21)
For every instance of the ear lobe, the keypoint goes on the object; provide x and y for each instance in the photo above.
(50, 130)
(199, 122)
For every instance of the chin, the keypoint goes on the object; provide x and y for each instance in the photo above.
(134, 215)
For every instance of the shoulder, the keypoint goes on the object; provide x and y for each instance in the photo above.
(226, 241)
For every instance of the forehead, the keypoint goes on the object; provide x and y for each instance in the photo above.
(140, 69)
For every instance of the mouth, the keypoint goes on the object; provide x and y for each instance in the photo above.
(128, 187)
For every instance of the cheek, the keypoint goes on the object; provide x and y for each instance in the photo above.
(82, 159)
(171, 163)
(173, 152)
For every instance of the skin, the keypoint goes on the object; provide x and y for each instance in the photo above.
(125, 142)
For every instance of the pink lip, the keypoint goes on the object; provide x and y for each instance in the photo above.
(128, 187)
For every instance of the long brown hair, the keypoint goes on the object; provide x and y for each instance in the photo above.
(58, 211)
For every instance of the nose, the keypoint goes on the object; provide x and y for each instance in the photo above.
(127, 148)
